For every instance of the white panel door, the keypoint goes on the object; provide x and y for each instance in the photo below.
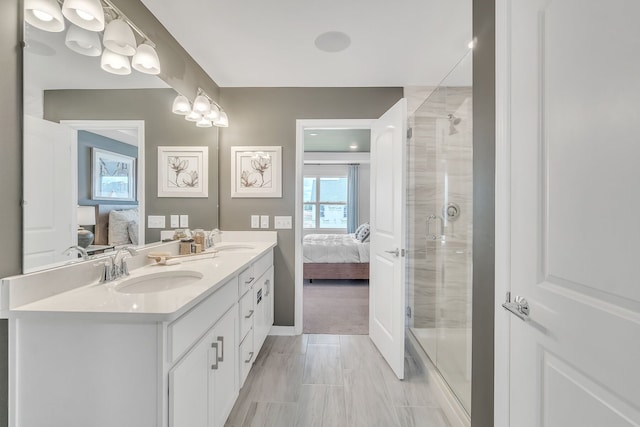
(387, 264)
(49, 192)
(575, 204)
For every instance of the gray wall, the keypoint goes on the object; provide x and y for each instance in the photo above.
(10, 165)
(483, 212)
(162, 128)
(267, 116)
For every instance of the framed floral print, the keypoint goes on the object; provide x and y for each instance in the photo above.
(183, 171)
(256, 171)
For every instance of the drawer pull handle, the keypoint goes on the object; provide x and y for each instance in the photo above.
(250, 357)
(251, 279)
(249, 315)
(214, 366)
(267, 284)
(221, 358)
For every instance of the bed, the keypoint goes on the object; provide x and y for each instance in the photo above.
(335, 256)
(124, 230)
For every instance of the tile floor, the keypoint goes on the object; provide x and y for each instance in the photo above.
(332, 381)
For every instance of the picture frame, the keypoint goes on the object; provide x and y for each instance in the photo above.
(183, 171)
(256, 172)
(113, 176)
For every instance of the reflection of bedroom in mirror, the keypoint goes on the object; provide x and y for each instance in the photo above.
(60, 177)
(335, 243)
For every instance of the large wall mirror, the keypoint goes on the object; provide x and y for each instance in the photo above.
(90, 149)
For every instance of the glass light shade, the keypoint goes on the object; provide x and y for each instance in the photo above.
(86, 215)
(44, 14)
(223, 120)
(113, 63)
(204, 123)
(119, 38)
(87, 14)
(193, 116)
(213, 114)
(146, 60)
(181, 105)
(201, 104)
(83, 41)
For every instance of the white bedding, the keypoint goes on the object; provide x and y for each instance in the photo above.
(334, 248)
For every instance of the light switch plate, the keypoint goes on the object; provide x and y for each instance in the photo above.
(175, 221)
(156, 221)
(255, 221)
(184, 221)
(264, 221)
(282, 222)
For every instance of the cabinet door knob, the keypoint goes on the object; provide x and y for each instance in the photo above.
(248, 316)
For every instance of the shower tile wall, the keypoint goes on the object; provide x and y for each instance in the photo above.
(439, 272)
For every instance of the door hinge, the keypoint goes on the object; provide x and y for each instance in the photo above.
(409, 133)
(402, 252)
(408, 311)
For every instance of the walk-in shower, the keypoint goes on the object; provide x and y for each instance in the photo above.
(440, 206)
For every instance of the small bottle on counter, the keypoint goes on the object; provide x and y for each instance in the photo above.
(179, 234)
(199, 237)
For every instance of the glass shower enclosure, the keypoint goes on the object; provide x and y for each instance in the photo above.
(440, 214)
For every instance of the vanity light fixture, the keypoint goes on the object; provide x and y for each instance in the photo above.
(146, 59)
(83, 41)
(119, 38)
(181, 105)
(44, 14)
(115, 63)
(205, 112)
(87, 14)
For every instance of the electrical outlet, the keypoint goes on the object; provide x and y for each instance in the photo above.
(264, 221)
(175, 221)
(156, 221)
(255, 221)
(184, 221)
(282, 222)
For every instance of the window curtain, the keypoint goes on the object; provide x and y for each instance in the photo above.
(352, 202)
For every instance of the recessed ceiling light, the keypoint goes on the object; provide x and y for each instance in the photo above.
(333, 41)
(313, 134)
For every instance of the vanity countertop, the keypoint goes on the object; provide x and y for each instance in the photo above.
(105, 300)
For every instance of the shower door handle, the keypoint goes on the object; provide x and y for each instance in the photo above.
(395, 253)
(435, 236)
(519, 306)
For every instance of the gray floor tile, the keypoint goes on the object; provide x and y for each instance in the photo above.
(414, 390)
(270, 414)
(321, 406)
(323, 365)
(366, 400)
(324, 339)
(421, 417)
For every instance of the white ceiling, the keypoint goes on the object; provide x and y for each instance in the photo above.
(257, 43)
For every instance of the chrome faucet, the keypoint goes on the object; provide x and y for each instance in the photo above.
(114, 270)
(79, 249)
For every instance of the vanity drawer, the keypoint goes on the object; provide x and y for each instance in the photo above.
(263, 263)
(247, 356)
(188, 328)
(245, 280)
(247, 314)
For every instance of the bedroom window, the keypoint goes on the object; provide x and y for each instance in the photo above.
(325, 202)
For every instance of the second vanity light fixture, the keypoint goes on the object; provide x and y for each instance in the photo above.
(87, 19)
(205, 112)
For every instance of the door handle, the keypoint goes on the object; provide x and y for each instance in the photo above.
(250, 314)
(431, 236)
(519, 306)
(221, 357)
(395, 253)
(214, 365)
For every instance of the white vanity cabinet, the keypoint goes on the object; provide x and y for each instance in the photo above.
(202, 385)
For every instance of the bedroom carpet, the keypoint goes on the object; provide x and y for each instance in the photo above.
(339, 307)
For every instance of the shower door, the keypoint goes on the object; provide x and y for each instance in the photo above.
(440, 168)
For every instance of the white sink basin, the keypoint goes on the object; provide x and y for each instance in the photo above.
(158, 282)
(233, 247)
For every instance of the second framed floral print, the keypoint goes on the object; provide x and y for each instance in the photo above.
(256, 171)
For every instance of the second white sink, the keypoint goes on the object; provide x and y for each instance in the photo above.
(233, 247)
(158, 282)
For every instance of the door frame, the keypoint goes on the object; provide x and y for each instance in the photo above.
(301, 125)
(138, 125)
(502, 213)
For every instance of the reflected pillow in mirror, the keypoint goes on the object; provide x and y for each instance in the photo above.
(119, 226)
(132, 228)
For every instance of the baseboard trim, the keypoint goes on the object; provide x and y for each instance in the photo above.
(283, 330)
(450, 405)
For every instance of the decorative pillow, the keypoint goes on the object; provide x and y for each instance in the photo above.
(133, 230)
(363, 234)
(119, 226)
(359, 229)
